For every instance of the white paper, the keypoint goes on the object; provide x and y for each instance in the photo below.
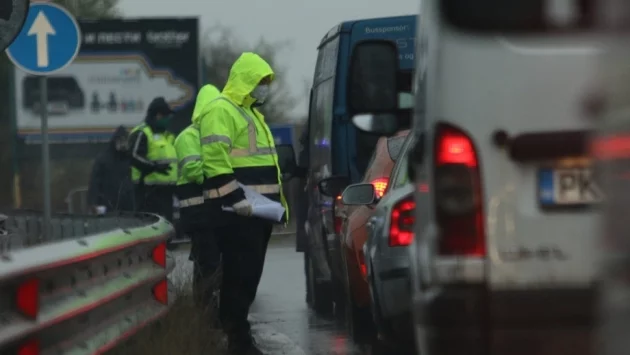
(261, 206)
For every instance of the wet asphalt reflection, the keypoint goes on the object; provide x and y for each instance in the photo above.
(282, 322)
(280, 303)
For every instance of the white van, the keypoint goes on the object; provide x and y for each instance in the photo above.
(504, 260)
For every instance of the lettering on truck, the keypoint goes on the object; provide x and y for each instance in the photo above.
(404, 44)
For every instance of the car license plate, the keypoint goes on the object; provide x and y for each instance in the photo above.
(567, 187)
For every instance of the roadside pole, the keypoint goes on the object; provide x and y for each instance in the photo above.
(48, 42)
(43, 107)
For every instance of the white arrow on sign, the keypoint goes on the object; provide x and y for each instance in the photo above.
(41, 29)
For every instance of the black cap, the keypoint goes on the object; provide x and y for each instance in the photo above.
(159, 106)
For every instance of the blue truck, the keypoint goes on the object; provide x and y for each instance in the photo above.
(334, 147)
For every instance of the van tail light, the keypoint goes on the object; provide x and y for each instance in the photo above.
(27, 298)
(380, 185)
(159, 254)
(401, 224)
(458, 196)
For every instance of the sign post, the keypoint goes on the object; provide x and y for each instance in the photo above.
(48, 42)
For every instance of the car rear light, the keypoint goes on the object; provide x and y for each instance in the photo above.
(401, 225)
(337, 220)
(458, 194)
(159, 254)
(380, 185)
(30, 347)
(27, 298)
(160, 292)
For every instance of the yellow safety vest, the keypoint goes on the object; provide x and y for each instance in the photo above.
(248, 151)
(160, 150)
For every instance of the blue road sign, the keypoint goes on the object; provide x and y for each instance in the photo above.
(48, 42)
(282, 134)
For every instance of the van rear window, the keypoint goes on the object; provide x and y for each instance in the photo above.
(531, 16)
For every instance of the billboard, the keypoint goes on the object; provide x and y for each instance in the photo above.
(122, 65)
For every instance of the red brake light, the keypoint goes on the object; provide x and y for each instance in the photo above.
(456, 148)
(380, 185)
(160, 292)
(338, 222)
(458, 196)
(159, 254)
(27, 298)
(401, 225)
(31, 347)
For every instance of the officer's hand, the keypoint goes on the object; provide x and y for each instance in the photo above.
(163, 168)
(243, 208)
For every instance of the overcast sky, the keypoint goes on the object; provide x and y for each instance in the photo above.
(302, 22)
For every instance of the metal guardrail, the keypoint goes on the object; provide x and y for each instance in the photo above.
(94, 283)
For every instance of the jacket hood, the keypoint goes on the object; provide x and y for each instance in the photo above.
(207, 93)
(247, 71)
(120, 132)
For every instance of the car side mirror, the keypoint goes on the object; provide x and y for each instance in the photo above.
(286, 160)
(384, 124)
(359, 194)
(333, 186)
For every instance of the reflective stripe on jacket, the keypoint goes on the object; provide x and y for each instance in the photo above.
(236, 143)
(188, 147)
(160, 150)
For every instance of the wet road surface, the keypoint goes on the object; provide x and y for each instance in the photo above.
(280, 303)
(282, 322)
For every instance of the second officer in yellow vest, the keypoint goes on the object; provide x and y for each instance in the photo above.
(194, 215)
(237, 147)
(154, 161)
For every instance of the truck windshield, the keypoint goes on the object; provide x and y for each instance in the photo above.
(535, 16)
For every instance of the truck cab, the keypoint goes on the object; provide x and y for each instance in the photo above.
(337, 151)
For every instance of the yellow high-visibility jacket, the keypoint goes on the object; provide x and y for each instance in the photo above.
(188, 147)
(236, 144)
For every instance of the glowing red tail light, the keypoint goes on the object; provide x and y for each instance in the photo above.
(402, 221)
(159, 254)
(458, 196)
(380, 185)
(160, 292)
(337, 220)
(27, 298)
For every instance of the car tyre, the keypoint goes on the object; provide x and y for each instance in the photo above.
(320, 297)
(383, 328)
(359, 322)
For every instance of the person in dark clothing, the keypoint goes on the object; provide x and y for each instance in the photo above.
(110, 183)
(154, 161)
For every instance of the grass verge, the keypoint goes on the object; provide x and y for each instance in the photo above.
(184, 330)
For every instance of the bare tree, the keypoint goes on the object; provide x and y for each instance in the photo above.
(221, 48)
(91, 9)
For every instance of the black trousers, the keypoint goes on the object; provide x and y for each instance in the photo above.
(243, 243)
(206, 258)
(156, 199)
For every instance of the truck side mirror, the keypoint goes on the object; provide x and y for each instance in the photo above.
(373, 77)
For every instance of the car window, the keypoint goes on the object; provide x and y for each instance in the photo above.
(399, 174)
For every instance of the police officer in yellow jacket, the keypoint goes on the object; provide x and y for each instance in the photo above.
(154, 161)
(193, 214)
(237, 147)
